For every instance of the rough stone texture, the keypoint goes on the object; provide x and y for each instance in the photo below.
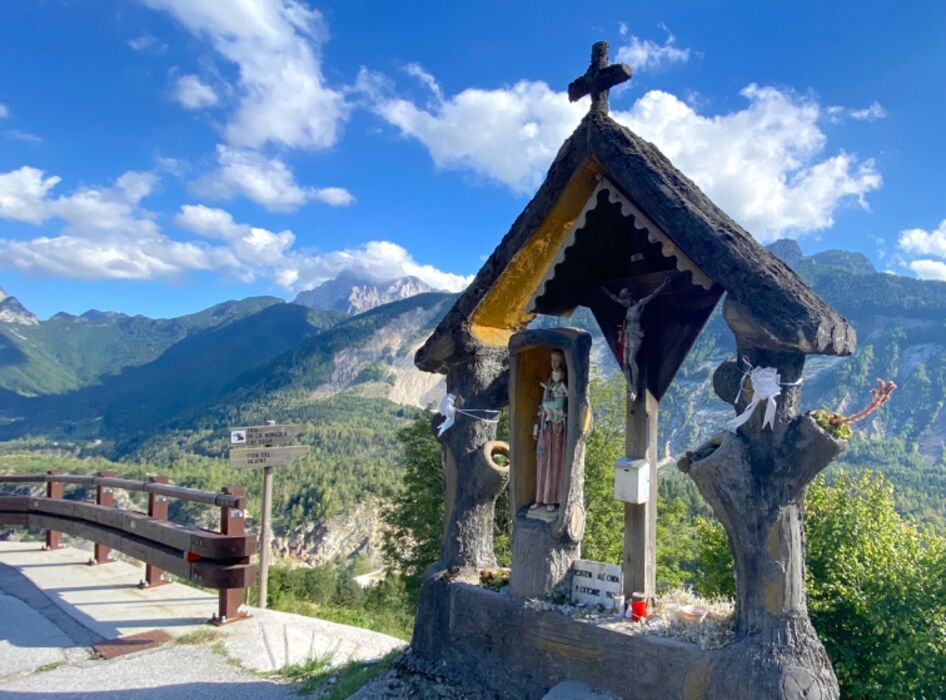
(355, 533)
(476, 636)
(573, 690)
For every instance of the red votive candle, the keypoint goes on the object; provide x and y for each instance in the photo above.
(638, 607)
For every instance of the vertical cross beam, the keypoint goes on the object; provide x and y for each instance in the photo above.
(232, 522)
(158, 510)
(598, 79)
(105, 497)
(640, 519)
(54, 490)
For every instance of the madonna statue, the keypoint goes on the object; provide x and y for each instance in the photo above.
(551, 435)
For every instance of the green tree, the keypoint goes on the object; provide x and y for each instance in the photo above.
(876, 590)
(415, 516)
(604, 526)
(876, 587)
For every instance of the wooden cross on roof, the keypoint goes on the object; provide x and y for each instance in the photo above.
(598, 79)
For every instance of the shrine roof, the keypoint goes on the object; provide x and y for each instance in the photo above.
(778, 310)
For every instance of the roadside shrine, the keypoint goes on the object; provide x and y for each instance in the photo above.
(616, 228)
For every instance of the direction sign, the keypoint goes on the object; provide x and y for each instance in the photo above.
(254, 457)
(265, 435)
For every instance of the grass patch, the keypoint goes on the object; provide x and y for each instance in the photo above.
(198, 636)
(52, 666)
(334, 683)
(220, 649)
(394, 622)
(330, 593)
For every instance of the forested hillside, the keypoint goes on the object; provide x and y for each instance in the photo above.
(67, 352)
(165, 391)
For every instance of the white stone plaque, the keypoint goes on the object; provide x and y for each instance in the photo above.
(594, 582)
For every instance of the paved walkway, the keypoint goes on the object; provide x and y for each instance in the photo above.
(53, 606)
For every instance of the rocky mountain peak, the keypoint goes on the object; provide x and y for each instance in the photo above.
(352, 294)
(12, 311)
(791, 254)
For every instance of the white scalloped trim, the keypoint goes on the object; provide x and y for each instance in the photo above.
(640, 221)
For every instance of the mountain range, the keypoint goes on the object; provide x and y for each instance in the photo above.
(133, 387)
(352, 294)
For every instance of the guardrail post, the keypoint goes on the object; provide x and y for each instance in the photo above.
(104, 496)
(232, 522)
(158, 510)
(53, 490)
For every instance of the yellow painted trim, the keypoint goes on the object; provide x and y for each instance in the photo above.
(502, 311)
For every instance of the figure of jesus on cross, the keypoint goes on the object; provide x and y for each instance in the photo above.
(633, 332)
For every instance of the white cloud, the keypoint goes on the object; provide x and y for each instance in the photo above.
(275, 44)
(172, 166)
(102, 258)
(763, 164)
(105, 233)
(191, 93)
(873, 112)
(248, 251)
(415, 70)
(929, 269)
(255, 251)
(267, 181)
(147, 43)
(378, 260)
(918, 241)
(760, 164)
(644, 54)
(509, 134)
(921, 242)
(333, 196)
(4, 111)
(23, 194)
(24, 136)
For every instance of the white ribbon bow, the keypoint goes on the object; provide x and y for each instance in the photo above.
(449, 411)
(766, 385)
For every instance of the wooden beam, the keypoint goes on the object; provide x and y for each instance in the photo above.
(204, 543)
(640, 520)
(183, 493)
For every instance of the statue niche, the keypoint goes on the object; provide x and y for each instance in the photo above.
(549, 421)
(550, 434)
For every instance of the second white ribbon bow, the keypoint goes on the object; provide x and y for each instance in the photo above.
(766, 386)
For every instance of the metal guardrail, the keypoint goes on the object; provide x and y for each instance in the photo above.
(213, 559)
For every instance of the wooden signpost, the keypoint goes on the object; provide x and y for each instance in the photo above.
(265, 446)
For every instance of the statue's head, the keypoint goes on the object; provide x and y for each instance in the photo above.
(626, 297)
(558, 365)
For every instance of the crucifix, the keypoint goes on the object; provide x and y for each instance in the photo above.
(598, 79)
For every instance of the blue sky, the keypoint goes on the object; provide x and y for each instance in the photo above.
(160, 156)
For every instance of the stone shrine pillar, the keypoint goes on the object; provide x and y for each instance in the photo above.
(545, 541)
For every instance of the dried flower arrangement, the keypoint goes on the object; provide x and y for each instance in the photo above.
(840, 426)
